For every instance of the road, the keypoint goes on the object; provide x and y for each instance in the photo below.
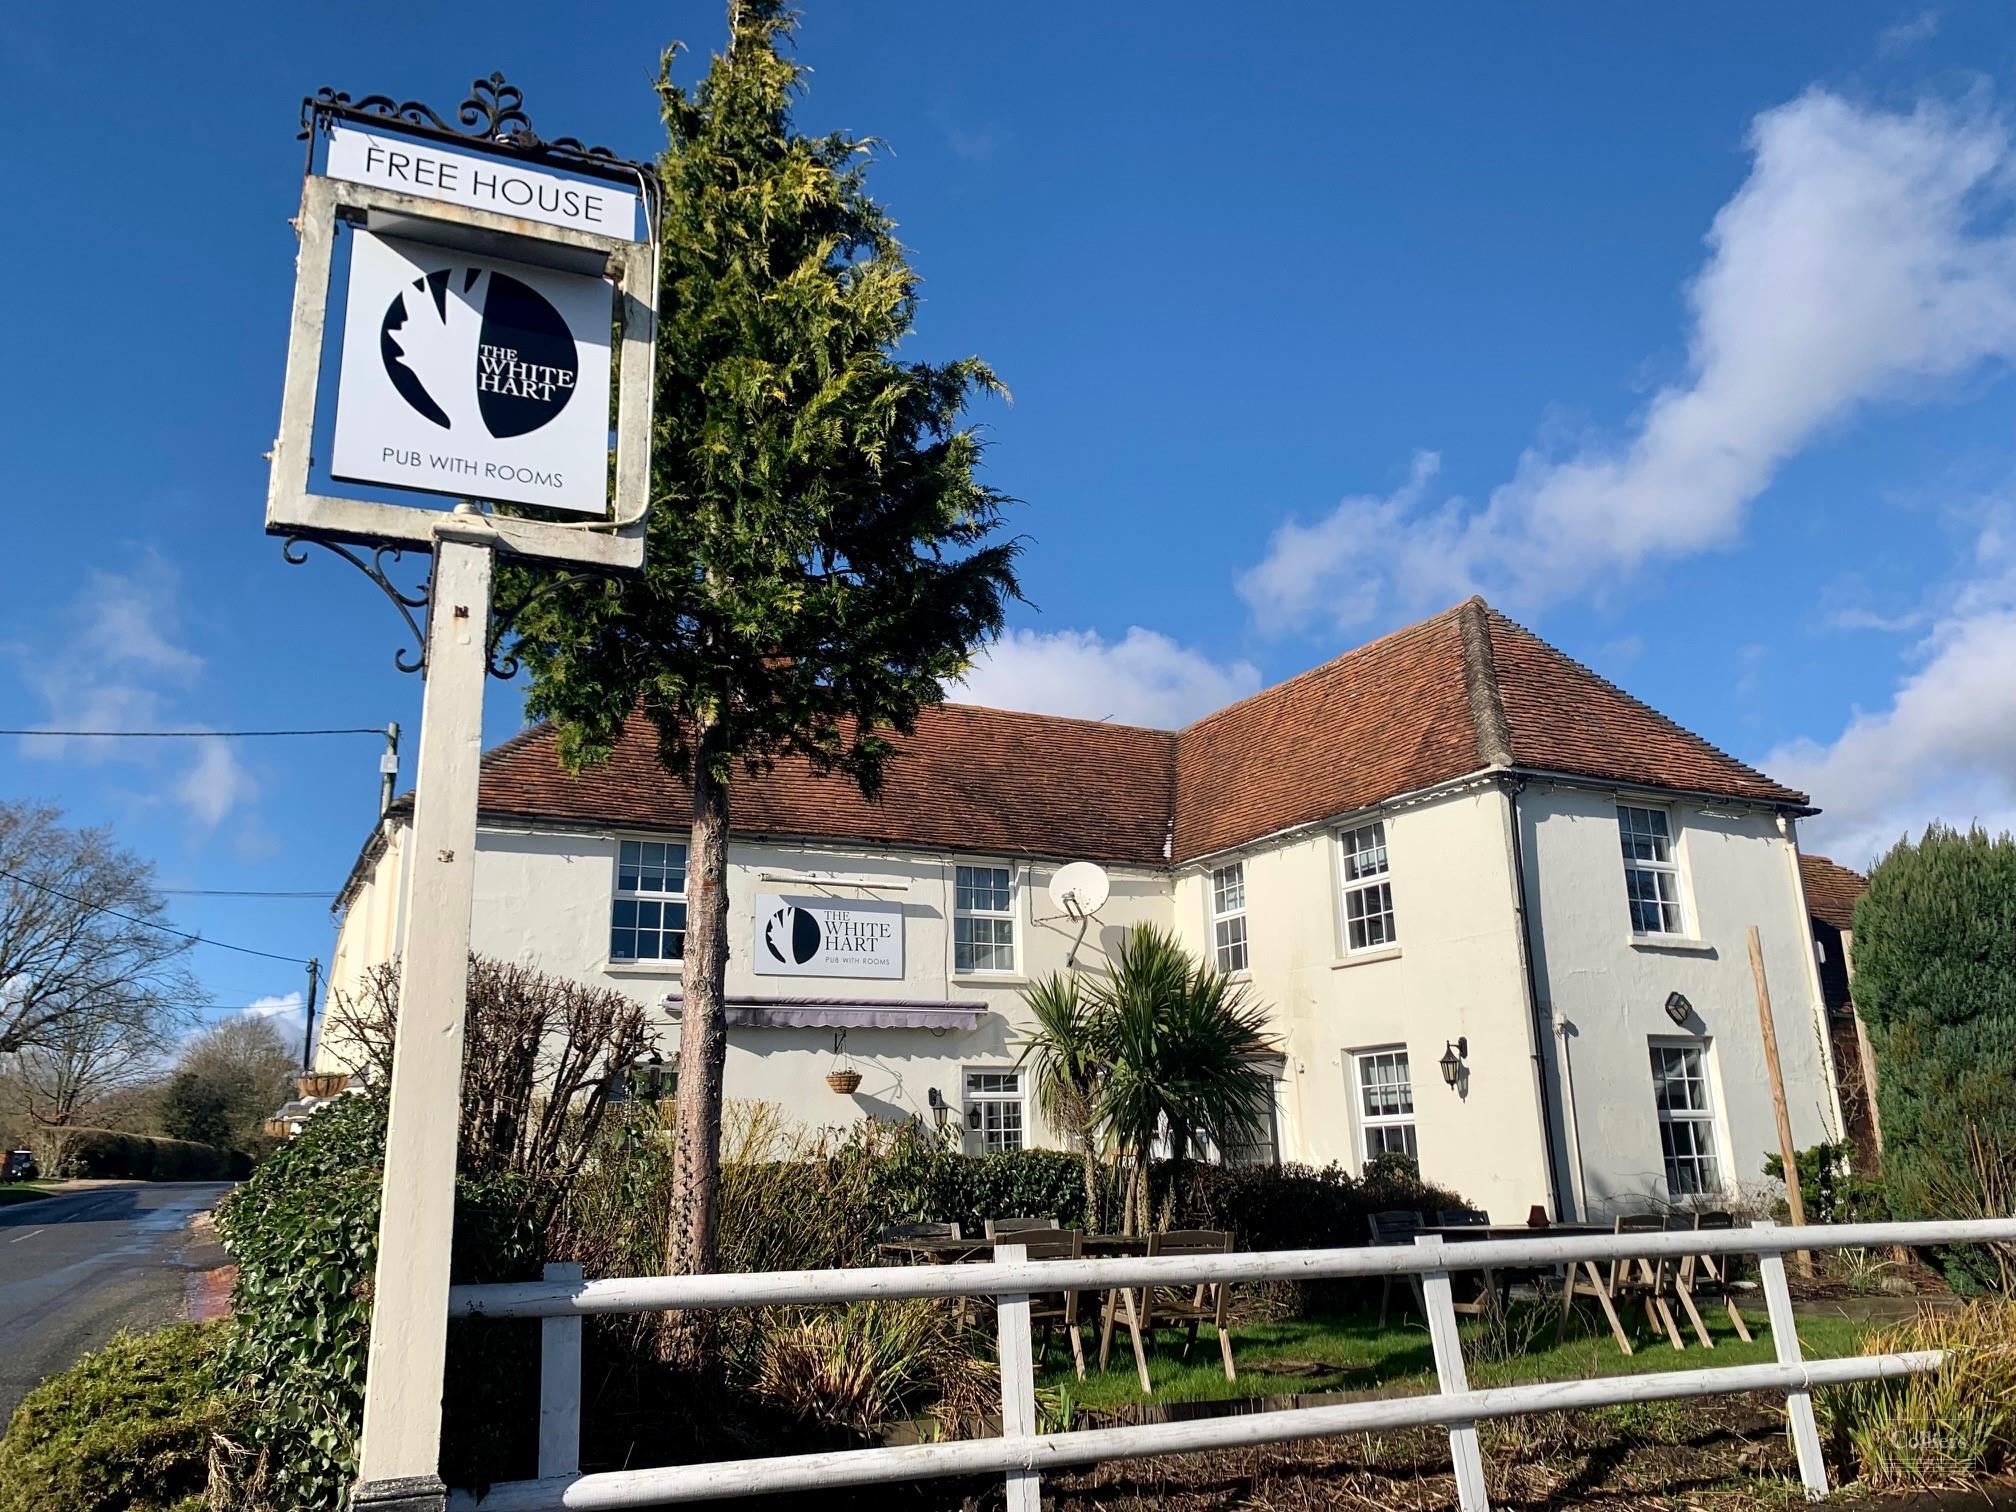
(77, 1268)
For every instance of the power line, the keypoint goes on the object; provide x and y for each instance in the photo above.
(227, 892)
(191, 734)
(57, 892)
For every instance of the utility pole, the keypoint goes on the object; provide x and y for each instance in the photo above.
(308, 1032)
(388, 768)
(1768, 1028)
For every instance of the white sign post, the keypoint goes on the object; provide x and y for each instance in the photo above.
(485, 277)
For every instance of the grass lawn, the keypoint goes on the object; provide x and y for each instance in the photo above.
(1352, 1353)
(24, 1191)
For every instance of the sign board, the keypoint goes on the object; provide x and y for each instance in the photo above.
(827, 937)
(469, 376)
(481, 182)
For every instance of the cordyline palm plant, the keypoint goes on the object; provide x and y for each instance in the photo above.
(1163, 1044)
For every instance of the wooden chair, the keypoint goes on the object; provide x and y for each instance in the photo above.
(1710, 1273)
(996, 1227)
(1585, 1277)
(1646, 1280)
(1052, 1309)
(1179, 1306)
(1402, 1226)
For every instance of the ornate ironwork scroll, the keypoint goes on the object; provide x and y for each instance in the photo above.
(405, 600)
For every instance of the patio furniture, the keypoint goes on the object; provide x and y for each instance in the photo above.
(1178, 1306)
(1597, 1286)
(1647, 1280)
(1462, 1218)
(895, 1233)
(1710, 1273)
(1401, 1226)
(1052, 1309)
(996, 1227)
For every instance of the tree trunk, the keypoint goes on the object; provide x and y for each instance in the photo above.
(1091, 1157)
(703, 1049)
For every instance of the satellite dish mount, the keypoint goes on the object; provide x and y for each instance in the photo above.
(1079, 890)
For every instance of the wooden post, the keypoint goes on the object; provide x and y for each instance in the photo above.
(560, 1384)
(1769, 1028)
(1464, 1452)
(1018, 1382)
(1785, 1340)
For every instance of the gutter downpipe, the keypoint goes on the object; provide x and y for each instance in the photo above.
(1530, 977)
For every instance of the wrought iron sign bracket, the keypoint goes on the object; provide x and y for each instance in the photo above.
(405, 600)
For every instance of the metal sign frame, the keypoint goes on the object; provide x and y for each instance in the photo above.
(293, 508)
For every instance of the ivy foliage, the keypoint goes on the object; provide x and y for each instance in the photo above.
(1935, 978)
(304, 1234)
(819, 557)
(126, 1429)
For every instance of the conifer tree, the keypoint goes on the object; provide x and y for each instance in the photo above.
(821, 555)
(1935, 979)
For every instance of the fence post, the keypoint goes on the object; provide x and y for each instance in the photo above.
(1464, 1451)
(560, 1385)
(1798, 1402)
(1018, 1381)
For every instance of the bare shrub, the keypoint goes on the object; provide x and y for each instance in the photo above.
(541, 1056)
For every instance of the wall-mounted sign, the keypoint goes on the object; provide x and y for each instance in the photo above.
(827, 937)
(468, 376)
(480, 181)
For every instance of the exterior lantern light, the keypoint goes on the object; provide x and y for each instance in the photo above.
(1458, 1051)
(1678, 1008)
(935, 1101)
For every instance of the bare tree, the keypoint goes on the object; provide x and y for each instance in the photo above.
(112, 1047)
(81, 927)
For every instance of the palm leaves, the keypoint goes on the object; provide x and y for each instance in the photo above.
(1161, 1044)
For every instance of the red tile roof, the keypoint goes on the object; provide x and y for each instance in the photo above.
(1831, 890)
(983, 780)
(1452, 695)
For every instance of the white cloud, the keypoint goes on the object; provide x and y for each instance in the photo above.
(1144, 678)
(1866, 257)
(1944, 747)
(1906, 35)
(116, 661)
(284, 1012)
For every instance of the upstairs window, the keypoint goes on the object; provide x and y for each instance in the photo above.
(983, 919)
(1228, 916)
(1368, 894)
(647, 918)
(1651, 876)
(1686, 1118)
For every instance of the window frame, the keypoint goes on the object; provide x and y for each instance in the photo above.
(1703, 1122)
(1011, 915)
(635, 895)
(1364, 1121)
(1222, 919)
(983, 1099)
(1655, 868)
(1367, 883)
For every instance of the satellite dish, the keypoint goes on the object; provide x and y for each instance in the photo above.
(1080, 889)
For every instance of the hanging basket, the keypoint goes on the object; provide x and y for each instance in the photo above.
(846, 1083)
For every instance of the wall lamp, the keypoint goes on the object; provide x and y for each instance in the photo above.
(935, 1101)
(1678, 1008)
(1458, 1051)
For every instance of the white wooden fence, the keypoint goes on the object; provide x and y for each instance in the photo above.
(1022, 1455)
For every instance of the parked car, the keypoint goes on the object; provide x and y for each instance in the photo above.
(19, 1165)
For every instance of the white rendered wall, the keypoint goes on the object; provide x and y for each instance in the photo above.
(543, 899)
(1455, 972)
(1606, 989)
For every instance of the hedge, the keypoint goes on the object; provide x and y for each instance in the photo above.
(110, 1153)
(127, 1429)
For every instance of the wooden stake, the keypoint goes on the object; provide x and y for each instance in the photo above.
(1769, 1029)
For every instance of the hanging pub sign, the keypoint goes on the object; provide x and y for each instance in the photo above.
(467, 303)
(827, 937)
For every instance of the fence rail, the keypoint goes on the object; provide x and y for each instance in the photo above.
(1022, 1455)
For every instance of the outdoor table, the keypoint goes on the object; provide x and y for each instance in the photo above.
(968, 1251)
(1497, 1289)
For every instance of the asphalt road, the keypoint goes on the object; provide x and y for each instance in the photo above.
(77, 1268)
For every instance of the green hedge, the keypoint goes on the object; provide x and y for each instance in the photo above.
(127, 1429)
(304, 1234)
(109, 1153)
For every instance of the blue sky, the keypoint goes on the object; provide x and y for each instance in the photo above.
(1682, 333)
